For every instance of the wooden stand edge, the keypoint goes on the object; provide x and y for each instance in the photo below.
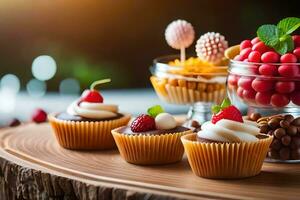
(18, 182)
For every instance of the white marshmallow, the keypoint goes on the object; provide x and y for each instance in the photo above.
(165, 121)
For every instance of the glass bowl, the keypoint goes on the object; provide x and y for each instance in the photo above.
(185, 85)
(176, 85)
(267, 95)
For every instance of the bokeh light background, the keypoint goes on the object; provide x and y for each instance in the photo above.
(63, 46)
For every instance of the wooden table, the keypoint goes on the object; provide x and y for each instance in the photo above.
(32, 165)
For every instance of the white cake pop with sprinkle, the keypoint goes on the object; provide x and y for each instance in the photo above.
(211, 47)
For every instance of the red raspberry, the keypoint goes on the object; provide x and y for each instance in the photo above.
(297, 85)
(288, 58)
(279, 100)
(260, 47)
(268, 70)
(285, 87)
(263, 98)
(39, 116)
(296, 52)
(288, 70)
(296, 39)
(254, 56)
(249, 94)
(245, 82)
(255, 40)
(143, 123)
(240, 92)
(237, 58)
(245, 44)
(260, 85)
(232, 80)
(245, 53)
(295, 97)
(270, 57)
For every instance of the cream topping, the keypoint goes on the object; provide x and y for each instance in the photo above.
(93, 110)
(229, 131)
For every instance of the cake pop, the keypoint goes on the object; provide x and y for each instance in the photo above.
(211, 47)
(180, 34)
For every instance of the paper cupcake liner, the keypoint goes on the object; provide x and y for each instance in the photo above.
(86, 135)
(184, 95)
(225, 160)
(150, 149)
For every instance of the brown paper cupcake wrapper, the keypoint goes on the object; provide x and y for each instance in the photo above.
(184, 95)
(150, 149)
(86, 135)
(225, 160)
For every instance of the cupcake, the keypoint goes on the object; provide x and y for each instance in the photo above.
(226, 147)
(151, 139)
(87, 123)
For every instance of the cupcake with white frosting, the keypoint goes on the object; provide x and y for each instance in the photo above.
(88, 121)
(226, 147)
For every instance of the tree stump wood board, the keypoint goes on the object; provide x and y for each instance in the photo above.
(34, 166)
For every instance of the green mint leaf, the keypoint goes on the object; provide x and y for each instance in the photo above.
(226, 102)
(155, 110)
(281, 47)
(269, 34)
(290, 43)
(215, 109)
(289, 25)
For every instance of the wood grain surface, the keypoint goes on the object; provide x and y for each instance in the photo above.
(34, 147)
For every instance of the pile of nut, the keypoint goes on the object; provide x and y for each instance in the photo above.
(286, 132)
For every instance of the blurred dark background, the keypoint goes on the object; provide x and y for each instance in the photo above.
(96, 39)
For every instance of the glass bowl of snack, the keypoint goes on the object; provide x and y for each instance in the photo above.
(189, 82)
(199, 81)
(266, 77)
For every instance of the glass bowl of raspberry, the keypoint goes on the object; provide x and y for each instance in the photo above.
(265, 80)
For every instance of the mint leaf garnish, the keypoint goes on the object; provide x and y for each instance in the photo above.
(217, 108)
(268, 34)
(226, 102)
(278, 37)
(290, 43)
(289, 25)
(281, 47)
(155, 110)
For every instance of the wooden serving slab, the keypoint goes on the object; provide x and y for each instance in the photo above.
(33, 165)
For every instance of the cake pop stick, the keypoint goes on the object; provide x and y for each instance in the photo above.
(180, 34)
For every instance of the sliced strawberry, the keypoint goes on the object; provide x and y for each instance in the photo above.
(226, 111)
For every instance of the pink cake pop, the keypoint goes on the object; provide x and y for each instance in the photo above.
(179, 35)
(211, 47)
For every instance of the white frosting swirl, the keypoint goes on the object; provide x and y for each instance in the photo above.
(229, 131)
(93, 110)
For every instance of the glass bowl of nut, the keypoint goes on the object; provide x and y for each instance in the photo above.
(286, 143)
